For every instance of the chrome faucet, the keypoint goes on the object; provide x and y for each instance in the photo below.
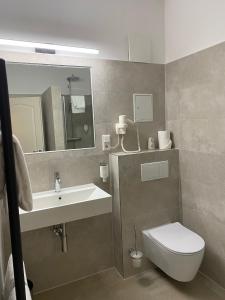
(57, 182)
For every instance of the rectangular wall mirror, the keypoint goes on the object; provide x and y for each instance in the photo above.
(51, 106)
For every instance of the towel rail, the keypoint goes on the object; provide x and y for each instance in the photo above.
(10, 179)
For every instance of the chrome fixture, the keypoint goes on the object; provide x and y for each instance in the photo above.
(57, 182)
(72, 79)
(60, 231)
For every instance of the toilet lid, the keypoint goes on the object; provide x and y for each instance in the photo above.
(177, 238)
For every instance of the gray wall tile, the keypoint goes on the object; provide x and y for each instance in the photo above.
(89, 251)
(143, 204)
(114, 83)
(195, 106)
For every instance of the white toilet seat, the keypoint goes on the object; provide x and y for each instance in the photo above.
(175, 249)
(177, 239)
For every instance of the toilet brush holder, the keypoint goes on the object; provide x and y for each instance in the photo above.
(136, 256)
(104, 171)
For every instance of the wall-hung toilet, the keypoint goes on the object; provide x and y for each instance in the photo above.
(175, 249)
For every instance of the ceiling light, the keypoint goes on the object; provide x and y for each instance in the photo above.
(53, 47)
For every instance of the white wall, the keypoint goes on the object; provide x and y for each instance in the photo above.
(193, 25)
(101, 24)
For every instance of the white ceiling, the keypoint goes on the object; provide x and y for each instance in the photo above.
(101, 24)
(193, 25)
(175, 27)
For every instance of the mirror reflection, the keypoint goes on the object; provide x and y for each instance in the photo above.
(51, 106)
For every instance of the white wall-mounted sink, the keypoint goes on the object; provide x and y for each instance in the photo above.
(70, 204)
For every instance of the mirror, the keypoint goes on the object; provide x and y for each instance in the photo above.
(51, 106)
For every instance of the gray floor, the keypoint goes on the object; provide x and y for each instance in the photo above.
(150, 285)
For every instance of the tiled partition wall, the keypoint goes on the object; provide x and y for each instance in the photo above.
(90, 241)
(143, 204)
(195, 113)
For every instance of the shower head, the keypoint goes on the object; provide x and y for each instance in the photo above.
(73, 78)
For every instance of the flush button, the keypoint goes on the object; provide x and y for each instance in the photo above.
(154, 170)
(164, 169)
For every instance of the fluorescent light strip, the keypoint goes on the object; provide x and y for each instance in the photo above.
(47, 46)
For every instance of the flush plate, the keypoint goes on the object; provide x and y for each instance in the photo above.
(154, 170)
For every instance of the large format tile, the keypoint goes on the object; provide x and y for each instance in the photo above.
(203, 101)
(212, 231)
(172, 104)
(202, 167)
(175, 132)
(195, 103)
(113, 85)
(203, 135)
(143, 204)
(90, 250)
(201, 196)
(149, 285)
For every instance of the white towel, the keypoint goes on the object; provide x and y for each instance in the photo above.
(22, 176)
(9, 279)
(9, 285)
(12, 295)
(78, 104)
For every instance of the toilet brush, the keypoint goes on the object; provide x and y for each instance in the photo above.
(135, 254)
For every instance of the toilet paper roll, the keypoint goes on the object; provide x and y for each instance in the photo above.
(164, 140)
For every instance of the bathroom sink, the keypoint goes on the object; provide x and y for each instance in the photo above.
(70, 204)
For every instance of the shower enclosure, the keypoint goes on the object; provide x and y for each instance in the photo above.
(78, 124)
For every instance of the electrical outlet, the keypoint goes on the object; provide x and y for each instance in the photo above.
(106, 142)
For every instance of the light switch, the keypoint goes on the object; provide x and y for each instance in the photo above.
(143, 107)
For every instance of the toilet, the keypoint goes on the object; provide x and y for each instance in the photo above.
(175, 249)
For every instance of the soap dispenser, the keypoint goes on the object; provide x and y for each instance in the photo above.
(104, 171)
